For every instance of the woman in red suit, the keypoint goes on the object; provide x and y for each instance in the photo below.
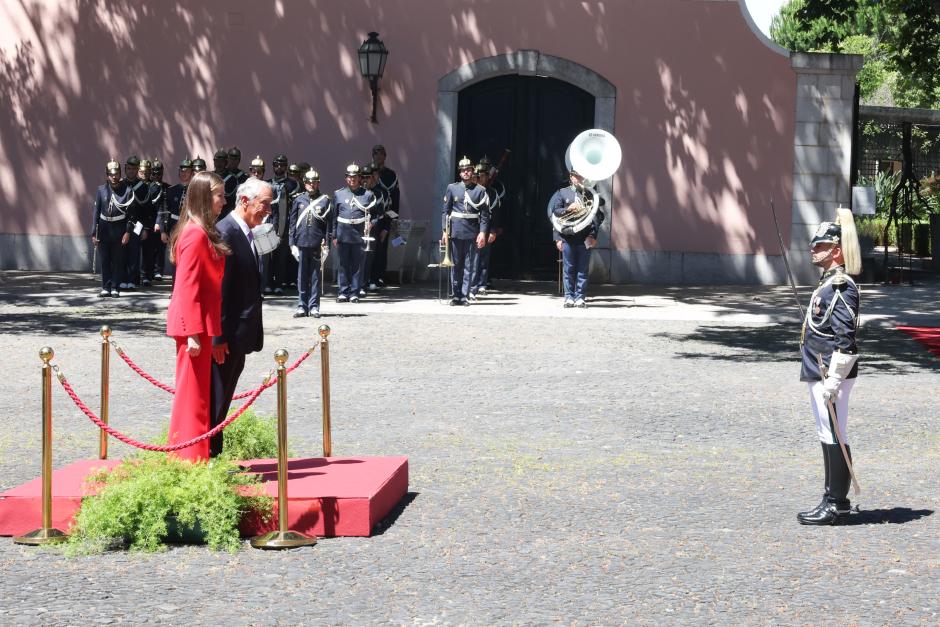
(195, 312)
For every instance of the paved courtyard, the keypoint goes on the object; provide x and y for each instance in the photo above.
(638, 462)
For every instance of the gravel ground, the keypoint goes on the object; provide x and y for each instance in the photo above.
(639, 462)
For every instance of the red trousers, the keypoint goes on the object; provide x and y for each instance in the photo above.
(190, 417)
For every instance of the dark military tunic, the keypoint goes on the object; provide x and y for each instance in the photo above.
(830, 324)
(310, 220)
(559, 203)
(469, 210)
(351, 211)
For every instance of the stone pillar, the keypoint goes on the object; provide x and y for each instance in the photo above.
(825, 85)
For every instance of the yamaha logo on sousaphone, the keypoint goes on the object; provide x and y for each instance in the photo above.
(595, 155)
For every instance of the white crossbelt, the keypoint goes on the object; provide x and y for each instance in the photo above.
(113, 218)
(352, 220)
(311, 208)
(465, 216)
(175, 216)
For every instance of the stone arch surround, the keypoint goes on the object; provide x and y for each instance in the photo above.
(525, 63)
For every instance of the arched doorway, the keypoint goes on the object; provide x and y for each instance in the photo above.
(539, 96)
(534, 118)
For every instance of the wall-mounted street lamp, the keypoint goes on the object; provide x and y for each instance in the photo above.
(372, 57)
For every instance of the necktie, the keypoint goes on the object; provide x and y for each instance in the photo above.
(251, 243)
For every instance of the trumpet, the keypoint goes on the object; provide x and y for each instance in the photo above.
(447, 262)
(368, 229)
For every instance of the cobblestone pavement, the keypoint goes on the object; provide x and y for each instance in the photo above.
(639, 462)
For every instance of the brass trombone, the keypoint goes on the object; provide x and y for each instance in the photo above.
(447, 262)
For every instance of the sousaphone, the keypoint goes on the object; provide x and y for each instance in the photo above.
(594, 154)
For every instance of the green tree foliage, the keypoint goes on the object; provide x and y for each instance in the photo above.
(900, 40)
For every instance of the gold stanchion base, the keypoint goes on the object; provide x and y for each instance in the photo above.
(283, 540)
(42, 536)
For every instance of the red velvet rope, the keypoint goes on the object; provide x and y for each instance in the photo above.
(167, 388)
(252, 395)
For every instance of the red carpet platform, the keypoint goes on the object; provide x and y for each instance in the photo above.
(928, 337)
(333, 496)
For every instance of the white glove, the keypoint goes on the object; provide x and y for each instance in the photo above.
(839, 368)
(295, 252)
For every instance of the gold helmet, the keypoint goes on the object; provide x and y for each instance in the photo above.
(464, 163)
(352, 169)
(112, 166)
(257, 162)
(311, 176)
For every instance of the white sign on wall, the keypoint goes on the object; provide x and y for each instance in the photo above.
(863, 201)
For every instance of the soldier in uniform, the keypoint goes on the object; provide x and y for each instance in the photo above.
(232, 179)
(388, 183)
(575, 247)
(829, 356)
(481, 272)
(465, 220)
(377, 221)
(310, 222)
(137, 175)
(498, 188)
(351, 207)
(220, 162)
(152, 248)
(283, 269)
(111, 228)
(175, 197)
(199, 165)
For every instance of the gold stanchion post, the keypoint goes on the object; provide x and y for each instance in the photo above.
(105, 388)
(283, 538)
(324, 331)
(46, 534)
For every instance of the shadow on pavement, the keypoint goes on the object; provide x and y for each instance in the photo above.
(383, 525)
(894, 516)
(882, 349)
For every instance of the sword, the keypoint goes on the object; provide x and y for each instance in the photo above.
(830, 406)
(786, 262)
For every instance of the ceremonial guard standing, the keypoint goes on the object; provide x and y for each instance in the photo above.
(137, 175)
(281, 272)
(829, 356)
(176, 196)
(481, 273)
(465, 220)
(111, 226)
(575, 242)
(377, 222)
(232, 179)
(310, 223)
(152, 248)
(352, 205)
(220, 163)
(388, 182)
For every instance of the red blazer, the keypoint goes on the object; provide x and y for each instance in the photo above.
(196, 303)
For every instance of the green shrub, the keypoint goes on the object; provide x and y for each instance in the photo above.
(137, 497)
(250, 437)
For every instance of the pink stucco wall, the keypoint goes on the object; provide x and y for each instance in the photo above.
(704, 109)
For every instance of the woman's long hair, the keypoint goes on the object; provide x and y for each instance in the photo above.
(198, 208)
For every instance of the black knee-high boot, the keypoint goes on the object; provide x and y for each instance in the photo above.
(838, 479)
(825, 497)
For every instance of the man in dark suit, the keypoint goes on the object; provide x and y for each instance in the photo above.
(242, 330)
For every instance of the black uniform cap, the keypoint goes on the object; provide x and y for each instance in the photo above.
(186, 164)
(221, 153)
(293, 168)
(132, 160)
(304, 166)
(827, 233)
(157, 166)
(234, 152)
(365, 170)
(279, 159)
(378, 148)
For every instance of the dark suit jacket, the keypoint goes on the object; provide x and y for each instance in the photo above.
(241, 293)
